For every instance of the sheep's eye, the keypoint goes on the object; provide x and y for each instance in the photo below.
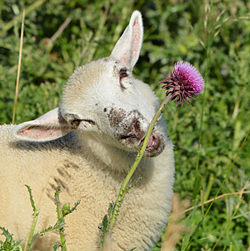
(75, 122)
(123, 73)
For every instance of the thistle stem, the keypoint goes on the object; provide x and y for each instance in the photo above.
(31, 234)
(59, 218)
(124, 188)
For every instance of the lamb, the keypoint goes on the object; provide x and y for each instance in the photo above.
(86, 146)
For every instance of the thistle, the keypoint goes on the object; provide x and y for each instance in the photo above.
(183, 83)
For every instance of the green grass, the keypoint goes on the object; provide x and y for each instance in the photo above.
(213, 36)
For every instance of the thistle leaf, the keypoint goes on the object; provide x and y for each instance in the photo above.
(31, 199)
(9, 244)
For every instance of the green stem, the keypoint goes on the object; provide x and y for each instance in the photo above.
(59, 218)
(123, 189)
(29, 242)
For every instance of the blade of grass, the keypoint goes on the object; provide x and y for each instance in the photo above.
(19, 68)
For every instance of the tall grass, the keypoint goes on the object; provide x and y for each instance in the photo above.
(210, 138)
(19, 69)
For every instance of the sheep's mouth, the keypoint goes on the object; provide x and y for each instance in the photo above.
(152, 143)
(155, 144)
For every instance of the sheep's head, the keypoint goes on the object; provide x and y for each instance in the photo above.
(102, 99)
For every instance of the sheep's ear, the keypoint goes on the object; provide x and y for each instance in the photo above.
(48, 127)
(128, 47)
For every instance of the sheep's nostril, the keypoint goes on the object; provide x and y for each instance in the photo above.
(135, 127)
(137, 130)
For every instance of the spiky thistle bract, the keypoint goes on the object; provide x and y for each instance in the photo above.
(184, 82)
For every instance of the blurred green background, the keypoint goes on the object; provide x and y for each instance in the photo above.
(214, 36)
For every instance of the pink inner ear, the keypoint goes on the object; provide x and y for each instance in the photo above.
(41, 133)
(136, 31)
(125, 58)
(136, 44)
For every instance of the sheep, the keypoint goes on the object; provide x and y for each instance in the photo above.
(86, 146)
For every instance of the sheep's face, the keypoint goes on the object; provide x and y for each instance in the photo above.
(103, 98)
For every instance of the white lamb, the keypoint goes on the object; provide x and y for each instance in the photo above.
(87, 146)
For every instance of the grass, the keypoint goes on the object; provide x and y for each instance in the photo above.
(208, 136)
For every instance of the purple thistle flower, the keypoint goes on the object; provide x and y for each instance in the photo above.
(184, 82)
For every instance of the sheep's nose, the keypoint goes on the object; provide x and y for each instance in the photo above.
(134, 131)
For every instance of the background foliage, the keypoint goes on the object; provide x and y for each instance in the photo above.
(60, 35)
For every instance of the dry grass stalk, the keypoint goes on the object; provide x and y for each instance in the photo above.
(218, 197)
(19, 68)
(175, 229)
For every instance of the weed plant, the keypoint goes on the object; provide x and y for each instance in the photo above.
(11, 245)
(211, 35)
